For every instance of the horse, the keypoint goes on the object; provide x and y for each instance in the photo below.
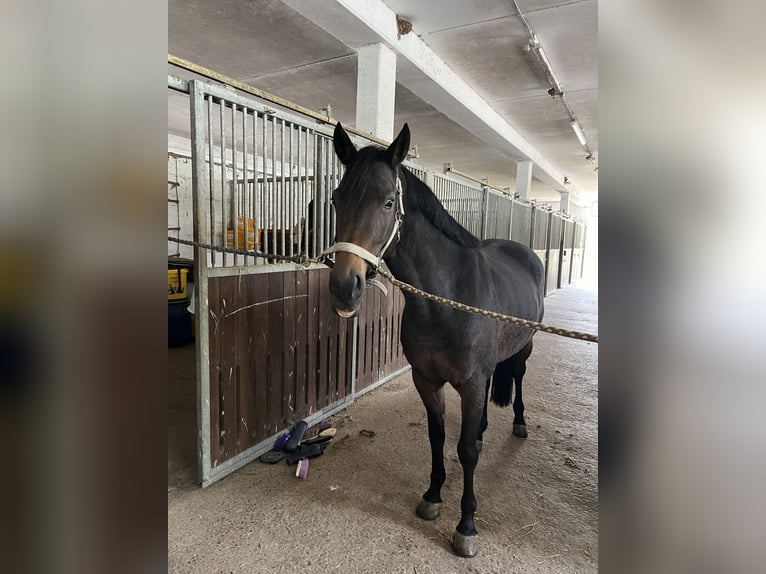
(385, 213)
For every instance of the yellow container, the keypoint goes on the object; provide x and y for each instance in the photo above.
(241, 234)
(177, 284)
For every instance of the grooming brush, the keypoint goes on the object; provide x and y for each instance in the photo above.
(281, 441)
(296, 436)
(302, 470)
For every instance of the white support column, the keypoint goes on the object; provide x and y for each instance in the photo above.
(564, 205)
(523, 179)
(375, 90)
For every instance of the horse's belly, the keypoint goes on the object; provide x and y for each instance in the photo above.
(444, 364)
(458, 359)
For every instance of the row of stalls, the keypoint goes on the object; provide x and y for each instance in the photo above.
(269, 348)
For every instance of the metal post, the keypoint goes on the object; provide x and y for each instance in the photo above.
(201, 199)
(484, 208)
(510, 223)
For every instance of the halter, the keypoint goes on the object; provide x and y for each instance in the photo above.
(361, 251)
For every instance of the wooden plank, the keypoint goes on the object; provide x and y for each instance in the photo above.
(229, 304)
(251, 387)
(243, 352)
(375, 322)
(301, 341)
(343, 327)
(389, 321)
(322, 329)
(394, 319)
(288, 346)
(361, 345)
(332, 357)
(312, 343)
(260, 362)
(402, 360)
(369, 340)
(214, 308)
(276, 330)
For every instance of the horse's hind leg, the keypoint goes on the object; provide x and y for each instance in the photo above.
(519, 369)
(484, 422)
(432, 395)
(466, 542)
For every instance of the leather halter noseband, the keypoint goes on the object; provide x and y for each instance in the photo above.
(361, 251)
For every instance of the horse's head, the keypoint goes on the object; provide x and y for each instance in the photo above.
(368, 209)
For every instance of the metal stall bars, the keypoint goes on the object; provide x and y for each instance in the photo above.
(498, 212)
(521, 226)
(464, 202)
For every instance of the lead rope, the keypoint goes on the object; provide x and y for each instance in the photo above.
(306, 261)
(491, 314)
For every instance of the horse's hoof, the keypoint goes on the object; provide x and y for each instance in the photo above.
(428, 510)
(467, 546)
(520, 430)
(479, 444)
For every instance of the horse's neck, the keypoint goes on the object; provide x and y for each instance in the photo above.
(422, 248)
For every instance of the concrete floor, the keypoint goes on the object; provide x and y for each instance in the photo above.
(537, 498)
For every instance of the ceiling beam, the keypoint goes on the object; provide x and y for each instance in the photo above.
(357, 23)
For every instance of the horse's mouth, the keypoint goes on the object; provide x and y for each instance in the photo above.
(345, 314)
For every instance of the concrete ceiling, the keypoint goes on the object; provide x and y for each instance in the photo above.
(269, 45)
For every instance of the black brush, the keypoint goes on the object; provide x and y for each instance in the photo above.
(308, 451)
(296, 436)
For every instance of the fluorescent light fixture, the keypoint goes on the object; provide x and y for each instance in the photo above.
(578, 132)
(535, 45)
(543, 55)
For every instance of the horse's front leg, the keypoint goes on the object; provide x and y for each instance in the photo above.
(432, 395)
(472, 399)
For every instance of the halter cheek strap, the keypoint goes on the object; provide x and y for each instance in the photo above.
(361, 251)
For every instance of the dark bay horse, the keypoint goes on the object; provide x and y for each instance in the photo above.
(384, 211)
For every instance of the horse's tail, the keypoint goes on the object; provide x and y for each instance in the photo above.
(502, 383)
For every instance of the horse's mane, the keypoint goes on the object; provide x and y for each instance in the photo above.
(417, 193)
(428, 204)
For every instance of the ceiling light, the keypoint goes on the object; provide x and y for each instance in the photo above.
(578, 132)
(534, 46)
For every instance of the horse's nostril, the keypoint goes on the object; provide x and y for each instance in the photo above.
(346, 287)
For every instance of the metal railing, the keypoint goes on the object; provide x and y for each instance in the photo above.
(271, 174)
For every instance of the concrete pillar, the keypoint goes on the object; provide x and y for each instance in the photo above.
(523, 178)
(564, 203)
(375, 90)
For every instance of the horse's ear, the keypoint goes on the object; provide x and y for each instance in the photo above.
(343, 146)
(399, 148)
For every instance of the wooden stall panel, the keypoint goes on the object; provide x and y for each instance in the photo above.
(379, 352)
(278, 353)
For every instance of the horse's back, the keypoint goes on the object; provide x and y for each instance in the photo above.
(518, 260)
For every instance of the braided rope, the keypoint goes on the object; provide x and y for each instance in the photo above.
(298, 259)
(305, 261)
(491, 314)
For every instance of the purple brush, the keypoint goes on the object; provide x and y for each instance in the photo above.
(302, 470)
(282, 441)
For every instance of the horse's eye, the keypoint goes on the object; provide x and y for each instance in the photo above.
(389, 204)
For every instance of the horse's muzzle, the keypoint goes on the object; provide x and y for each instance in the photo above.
(347, 281)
